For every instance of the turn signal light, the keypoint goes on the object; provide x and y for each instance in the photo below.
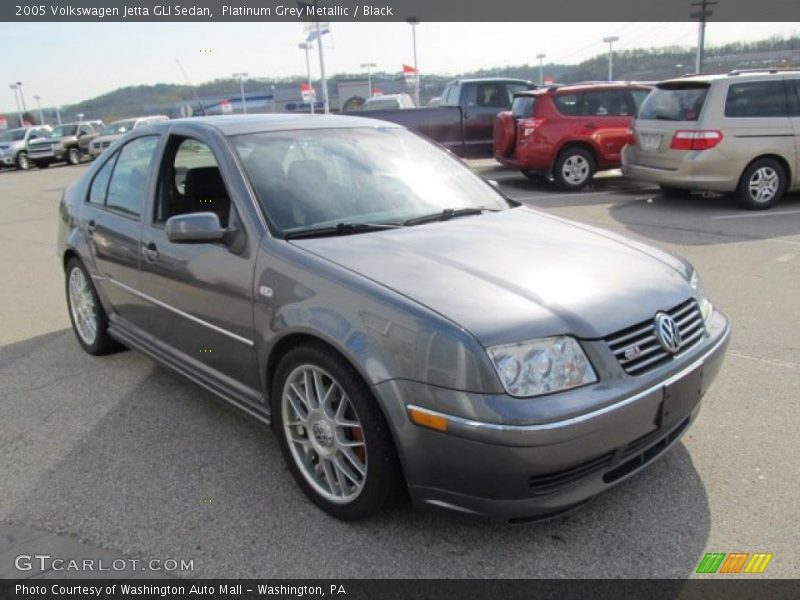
(426, 419)
(695, 139)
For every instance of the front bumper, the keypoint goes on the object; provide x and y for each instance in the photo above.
(509, 470)
(47, 154)
(7, 158)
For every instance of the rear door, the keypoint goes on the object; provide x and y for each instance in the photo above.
(671, 106)
(606, 118)
(111, 221)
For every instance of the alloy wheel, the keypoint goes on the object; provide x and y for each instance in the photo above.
(82, 307)
(575, 169)
(763, 184)
(324, 434)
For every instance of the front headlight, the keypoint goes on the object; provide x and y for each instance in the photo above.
(706, 308)
(542, 366)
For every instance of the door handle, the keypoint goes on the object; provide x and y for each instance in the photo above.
(90, 227)
(591, 126)
(150, 252)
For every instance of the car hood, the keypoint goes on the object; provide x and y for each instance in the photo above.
(52, 140)
(12, 145)
(517, 274)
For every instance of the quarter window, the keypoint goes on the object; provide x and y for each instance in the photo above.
(756, 99)
(128, 185)
(97, 191)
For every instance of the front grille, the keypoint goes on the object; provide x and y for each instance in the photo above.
(637, 349)
(616, 464)
(41, 148)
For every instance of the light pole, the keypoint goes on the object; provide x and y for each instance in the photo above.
(413, 22)
(323, 80)
(307, 46)
(610, 41)
(541, 58)
(241, 77)
(39, 106)
(368, 66)
(13, 86)
(21, 97)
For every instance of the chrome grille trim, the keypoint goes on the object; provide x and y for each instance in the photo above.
(640, 340)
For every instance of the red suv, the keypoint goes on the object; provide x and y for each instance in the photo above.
(567, 133)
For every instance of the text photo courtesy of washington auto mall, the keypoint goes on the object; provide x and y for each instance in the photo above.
(400, 299)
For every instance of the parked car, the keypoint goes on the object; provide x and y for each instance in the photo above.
(463, 120)
(117, 129)
(348, 282)
(724, 133)
(65, 143)
(389, 102)
(14, 145)
(567, 133)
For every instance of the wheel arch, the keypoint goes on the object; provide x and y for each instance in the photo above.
(787, 168)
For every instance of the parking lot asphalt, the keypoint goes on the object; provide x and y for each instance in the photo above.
(131, 459)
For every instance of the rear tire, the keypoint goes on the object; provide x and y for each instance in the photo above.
(762, 184)
(574, 168)
(337, 443)
(86, 313)
(74, 156)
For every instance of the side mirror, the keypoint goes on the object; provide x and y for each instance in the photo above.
(195, 228)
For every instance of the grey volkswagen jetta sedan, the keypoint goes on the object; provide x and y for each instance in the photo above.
(396, 319)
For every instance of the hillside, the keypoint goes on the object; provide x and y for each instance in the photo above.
(639, 64)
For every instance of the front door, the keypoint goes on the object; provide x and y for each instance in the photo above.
(202, 294)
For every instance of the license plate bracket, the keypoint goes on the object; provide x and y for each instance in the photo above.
(650, 141)
(680, 398)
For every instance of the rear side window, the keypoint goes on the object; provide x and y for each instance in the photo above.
(674, 103)
(126, 191)
(522, 107)
(568, 104)
(756, 99)
(606, 103)
(492, 94)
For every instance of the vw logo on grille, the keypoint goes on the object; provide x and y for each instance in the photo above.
(667, 333)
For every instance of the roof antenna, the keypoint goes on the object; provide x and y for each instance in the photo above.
(194, 91)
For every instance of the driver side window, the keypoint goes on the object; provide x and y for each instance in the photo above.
(191, 181)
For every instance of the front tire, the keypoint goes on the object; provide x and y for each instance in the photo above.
(763, 183)
(332, 433)
(74, 156)
(574, 168)
(23, 161)
(86, 313)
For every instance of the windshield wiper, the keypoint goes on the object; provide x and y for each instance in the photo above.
(447, 214)
(339, 229)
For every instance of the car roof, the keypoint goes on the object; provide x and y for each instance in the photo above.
(240, 124)
(490, 80)
(583, 87)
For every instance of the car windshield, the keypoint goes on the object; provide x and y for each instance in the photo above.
(316, 178)
(674, 102)
(12, 136)
(119, 127)
(63, 131)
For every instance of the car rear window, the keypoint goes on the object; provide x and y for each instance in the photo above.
(756, 99)
(522, 107)
(675, 102)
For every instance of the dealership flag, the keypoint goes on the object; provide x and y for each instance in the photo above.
(308, 92)
(410, 74)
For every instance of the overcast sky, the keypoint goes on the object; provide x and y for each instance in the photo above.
(68, 62)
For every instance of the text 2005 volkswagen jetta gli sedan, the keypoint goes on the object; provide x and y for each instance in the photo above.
(395, 318)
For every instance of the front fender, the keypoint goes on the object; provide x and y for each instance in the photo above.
(381, 333)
